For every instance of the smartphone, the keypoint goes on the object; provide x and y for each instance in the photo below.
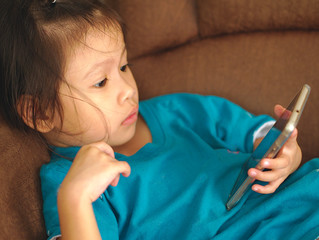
(270, 145)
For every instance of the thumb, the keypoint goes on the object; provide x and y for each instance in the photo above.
(293, 136)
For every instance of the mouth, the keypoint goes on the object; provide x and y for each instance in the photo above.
(132, 117)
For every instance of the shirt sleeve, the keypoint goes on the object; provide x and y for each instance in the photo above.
(52, 175)
(221, 123)
(230, 125)
(263, 130)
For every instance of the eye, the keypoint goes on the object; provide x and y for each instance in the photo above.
(123, 68)
(101, 83)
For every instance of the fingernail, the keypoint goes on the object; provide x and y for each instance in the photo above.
(253, 173)
(266, 163)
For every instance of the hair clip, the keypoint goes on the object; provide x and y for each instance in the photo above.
(52, 3)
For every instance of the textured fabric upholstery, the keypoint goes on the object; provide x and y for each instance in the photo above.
(231, 16)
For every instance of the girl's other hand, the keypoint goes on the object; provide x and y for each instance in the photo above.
(287, 161)
(93, 170)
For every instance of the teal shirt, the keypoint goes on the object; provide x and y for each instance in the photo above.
(180, 182)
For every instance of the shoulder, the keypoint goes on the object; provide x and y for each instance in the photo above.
(53, 173)
(182, 108)
(188, 103)
(63, 165)
(179, 96)
(178, 99)
(59, 165)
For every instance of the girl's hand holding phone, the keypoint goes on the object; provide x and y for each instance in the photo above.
(287, 161)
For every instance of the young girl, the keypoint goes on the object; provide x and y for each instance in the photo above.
(65, 75)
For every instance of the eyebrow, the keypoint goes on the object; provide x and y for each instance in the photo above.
(91, 70)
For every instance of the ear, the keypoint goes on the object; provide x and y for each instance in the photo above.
(27, 108)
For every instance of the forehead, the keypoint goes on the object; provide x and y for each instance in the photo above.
(96, 45)
(107, 40)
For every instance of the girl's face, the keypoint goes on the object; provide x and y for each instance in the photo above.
(99, 97)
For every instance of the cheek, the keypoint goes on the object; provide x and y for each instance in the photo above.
(82, 118)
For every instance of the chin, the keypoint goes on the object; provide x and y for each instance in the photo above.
(124, 139)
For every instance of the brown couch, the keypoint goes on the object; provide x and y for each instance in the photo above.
(256, 53)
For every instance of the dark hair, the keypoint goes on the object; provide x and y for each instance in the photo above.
(34, 37)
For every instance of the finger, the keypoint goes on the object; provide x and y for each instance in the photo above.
(290, 148)
(104, 147)
(267, 176)
(294, 134)
(268, 189)
(274, 163)
(118, 167)
(291, 141)
(278, 109)
(123, 168)
(115, 181)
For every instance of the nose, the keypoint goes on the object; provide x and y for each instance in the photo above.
(127, 90)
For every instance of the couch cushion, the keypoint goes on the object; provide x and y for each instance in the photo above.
(156, 25)
(232, 16)
(20, 202)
